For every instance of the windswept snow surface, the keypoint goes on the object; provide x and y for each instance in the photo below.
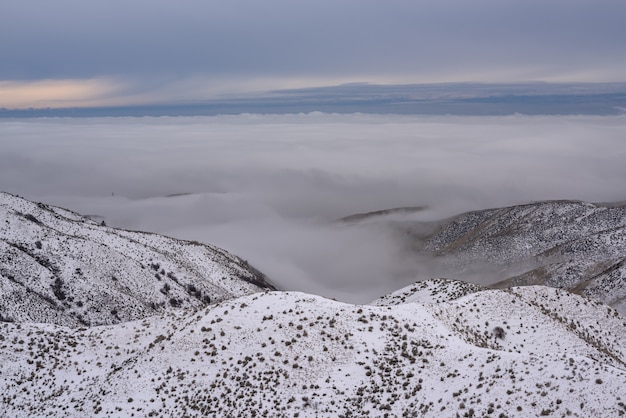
(291, 354)
(59, 267)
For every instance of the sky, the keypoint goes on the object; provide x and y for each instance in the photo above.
(270, 188)
(69, 53)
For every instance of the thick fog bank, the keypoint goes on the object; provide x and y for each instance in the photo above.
(269, 188)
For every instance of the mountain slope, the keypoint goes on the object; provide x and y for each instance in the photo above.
(522, 352)
(567, 244)
(59, 267)
(429, 291)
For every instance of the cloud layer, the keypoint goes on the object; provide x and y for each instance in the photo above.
(167, 51)
(269, 188)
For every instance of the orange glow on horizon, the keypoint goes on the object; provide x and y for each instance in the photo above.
(55, 93)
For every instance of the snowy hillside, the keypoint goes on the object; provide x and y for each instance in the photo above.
(566, 244)
(59, 267)
(429, 291)
(98, 321)
(526, 351)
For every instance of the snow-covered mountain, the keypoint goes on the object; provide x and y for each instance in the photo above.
(526, 351)
(566, 244)
(59, 267)
(97, 321)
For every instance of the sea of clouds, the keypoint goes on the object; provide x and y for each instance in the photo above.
(270, 188)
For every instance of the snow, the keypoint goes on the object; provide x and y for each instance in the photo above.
(429, 291)
(566, 244)
(288, 353)
(435, 348)
(70, 270)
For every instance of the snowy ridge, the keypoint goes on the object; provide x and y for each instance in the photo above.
(429, 291)
(566, 244)
(292, 354)
(59, 267)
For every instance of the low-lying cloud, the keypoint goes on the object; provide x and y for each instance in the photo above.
(269, 188)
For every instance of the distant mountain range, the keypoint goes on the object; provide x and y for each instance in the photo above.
(98, 321)
(416, 99)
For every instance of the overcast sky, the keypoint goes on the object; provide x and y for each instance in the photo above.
(85, 53)
(269, 188)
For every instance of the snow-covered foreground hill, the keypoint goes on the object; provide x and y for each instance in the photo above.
(523, 352)
(59, 267)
